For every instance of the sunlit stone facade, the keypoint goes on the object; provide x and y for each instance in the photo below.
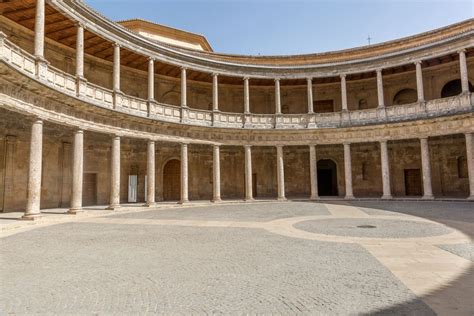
(95, 114)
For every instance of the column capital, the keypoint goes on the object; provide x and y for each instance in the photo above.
(80, 25)
(462, 50)
(216, 145)
(423, 137)
(183, 68)
(309, 79)
(116, 45)
(247, 146)
(418, 62)
(276, 79)
(379, 70)
(385, 141)
(246, 78)
(343, 76)
(151, 141)
(215, 74)
(346, 143)
(151, 59)
(78, 131)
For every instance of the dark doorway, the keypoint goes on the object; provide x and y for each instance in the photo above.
(89, 191)
(254, 185)
(453, 88)
(413, 182)
(172, 180)
(327, 178)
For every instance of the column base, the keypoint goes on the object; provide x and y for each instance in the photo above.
(113, 207)
(314, 198)
(218, 200)
(74, 211)
(470, 198)
(349, 197)
(427, 197)
(183, 202)
(150, 204)
(31, 217)
(249, 199)
(387, 197)
(281, 198)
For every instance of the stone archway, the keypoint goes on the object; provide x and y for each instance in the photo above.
(453, 88)
(327, 177)
(172, 180)
(405, 96)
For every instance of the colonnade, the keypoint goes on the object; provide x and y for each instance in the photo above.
(39, 53)
(35, 166)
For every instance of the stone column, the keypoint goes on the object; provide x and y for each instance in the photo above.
(150, 174)
(280, 174)
(277, 97)
(246, 96)
(313, 171)
(39, 29)
(470, 163)
(115, 174)
(348, 171)
(248, 173)
(184, 174)
(463, 71)
(116, 67)
(215, 92)
(419, 82)
(34, 172)
(343, 93)
(80, 52)
(380, 88)
(426, 166)
(183, 88)
(310, 95)
(387, 192)
(217, 174)
(77, 172)
(151, 79)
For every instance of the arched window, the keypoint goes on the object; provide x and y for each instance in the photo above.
(405, 96)
(363, 105)
(172, 97)
(453, 88)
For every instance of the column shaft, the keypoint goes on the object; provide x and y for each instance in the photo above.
(246, 96)
(313, 171)
(77, 172)
(387, 193)
(217, 174)
(80, 51)
(183, 88)
(215, 92)
(463, 70)
(348, 171)
(470, 163)
(116, 67)
(277, 97)
(310, 95)
(426, 166)
(34, 172)
(343, 93)
(380, 88)
(151, 79)
(184, 174)
(419, 82)
(114, 202)
(280, 173)
(150, 174)
(248, 173)
(39, 28)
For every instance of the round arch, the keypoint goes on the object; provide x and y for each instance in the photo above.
(405, 96)
(453, 88)
(171, 176)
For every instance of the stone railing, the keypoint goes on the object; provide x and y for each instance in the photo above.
(39, 70)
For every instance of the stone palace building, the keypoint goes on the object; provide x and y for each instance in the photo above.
(94, 112)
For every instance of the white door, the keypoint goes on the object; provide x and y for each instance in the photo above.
(132, 188)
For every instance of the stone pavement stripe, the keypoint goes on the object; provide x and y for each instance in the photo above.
(424, 269)
(346, 211)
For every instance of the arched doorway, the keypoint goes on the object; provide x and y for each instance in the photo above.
(453, 88)
(405, 96)
(327, 178)
(172, 180)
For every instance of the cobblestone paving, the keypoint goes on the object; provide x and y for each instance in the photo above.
(122, 268)
(463, 250)
(258, 212)
(375, 228)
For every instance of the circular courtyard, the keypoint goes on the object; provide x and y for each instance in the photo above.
(260, 258)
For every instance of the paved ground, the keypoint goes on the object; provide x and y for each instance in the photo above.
(283, 258)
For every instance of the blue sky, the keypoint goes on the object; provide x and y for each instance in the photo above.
(280, 27)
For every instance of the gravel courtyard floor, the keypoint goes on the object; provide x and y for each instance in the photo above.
(361, 257)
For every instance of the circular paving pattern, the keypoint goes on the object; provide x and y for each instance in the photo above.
(374, 228)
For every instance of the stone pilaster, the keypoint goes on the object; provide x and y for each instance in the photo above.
(184, 174)
(280, 174)
(348, 171)
(215, 92)
(183, 88)
(151, 79)
(309, 88)
(77, 172)
(419, 82)
(246, 96)
(463, 71)
(313, 171)
(277, 97)
(39, 29)
(115, 174)
(470, 163)
(248, 173)
(80, 51)
(116, 67)
(34, 172)
(343, 93)
(380, 94)
(426, 166)
(385, 163)
(150, 174)
(216, 174)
